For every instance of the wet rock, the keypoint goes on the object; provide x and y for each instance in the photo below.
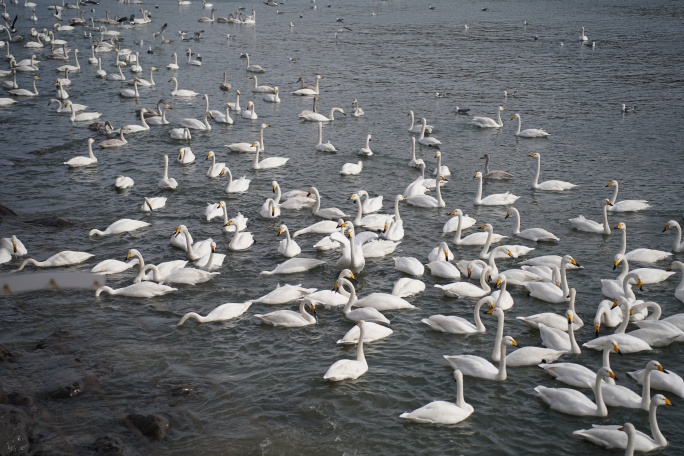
(107, 445)
(54, 222)
(66, 389)
(5, 354)
(154, 426)
(24, 401)
(16, 428)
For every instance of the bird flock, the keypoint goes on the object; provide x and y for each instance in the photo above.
(348, 241)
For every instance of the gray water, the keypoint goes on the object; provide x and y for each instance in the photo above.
(259, 390)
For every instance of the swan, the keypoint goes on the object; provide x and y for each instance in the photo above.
(640, 255)
(240, 185)
(180, 93)
(494, 174)
(619, 396)
(628, 343)
(316, 117)
(554, 320)
(173, 66)
(131, 93)
(212, 261)
(167, 182)
(669, 381)
(582, 224)
(269, 162)
(352, 253)
(372, 332)
(236, 106)
(488, 122)
(322, 227)
(185, 156)
(678, 245)
(153, 204)
(116, 77)
(573, 402)
(582, 36)
(442, 412)
(195, 124)
(195, 251)
(225, 86)
(25, 92)
(108, 267)
(420, 185)
(504, 300)
(458, 325)
(224, 312)
(81, 161)
(414, 163)
(249, 112)
(294, 266)
(427, 200)
(466, 289)
(654, 333)
(180, 133)
(373, 222)
(308, 91)
(145, 82)
(429, 141)
(473, 268)
(679, 291)
(451, 225)
(549, 292)
(290, 318)
(187, 276)
(270, 209)
(479, 238)
(100, 72)
(208, 19)
(285, 294)
(216, 168)
(437, 252)
(611, 436)
(444, 269)
(646, 275)
(135, 128)
(558, 339)
(260, 88)
(321, 147)
(120, 226)
(442, 170)
(62, 94)
(240, 241)
(7, 102)
(294, 202)
(240, 220)
(530, 132)
(578, 375)
(418, 128)
(409, 265)
(476, 366)
(64, 258)
(123, 182)
(349, 369)
(550, 185)
(287, 247)
(351, 169)
(245, 147)
(533, 234)
(406, 287)
(497, 199)
(327, 213)
(369, 314)
(503, 251)
(337, 297)
(13, 245)
(625, 205)
(67, 109)
(81, 116)
(115, 142)
(272, 97)
(252, 68)
(366, 150)
(383, 302)
(137, 290)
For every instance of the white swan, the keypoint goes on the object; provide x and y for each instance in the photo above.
(417, 128)
(245, 147)
(187, 276)
(444, 269)
(120, 226)
(497, 199)
(322, 227)
(625, 205)
(285, 294)
(270, 209)
(479, 238)
(679, 291)
(611, 436)
(180, 133)
(453, 223)
(252, 68)
(153, 204)
(457, 325)
(640, 255)
(185, 156)
(64, 258)
(80, 161)
(475, 366)
(366, 150)
(309, 91)
(573, 402)
(488, 122)
(224, 312)
(560, 340)
(167, 182)
(240, 185)
(249, 112)
(352, 252)
(212, 261)
(373, 222)
(429, 141)
(466, 289)
(316, 117)
(195, 124)
(549, 292)
(549, 185)
(363, 313)
(578, 375)
(288, 247)
(349, 369)
(108, 267)
(290, 318)
(582, 224)
(296, 202)
(323, 147)
(137, 290)
(503, 251)
(260, 88)
(554, 320)
(195, 250)
(13, 245)
(351, 169)
(116, 77)
(530, 132)
(441, 170)
(406, 287)
(372, 332)
(669, 381)
(427, 200)
(269, 162)
(327, 213)
(409, 265)
(240, 241)
(224, 118)
(131, 93)
(442, 412)
(183, 92)
(272, 97)
(215, 169)
(337, 296)
(627, 342)
(81, 116)
(533, 234)
(582, 36)
(678, 245)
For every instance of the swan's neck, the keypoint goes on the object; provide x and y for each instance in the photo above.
(359, 348)
(478, 319)
(606, 356)
(206, 120)
(412, 122)
(627, 287)
(519, 122)
(103, 289)
(517, 214)
(615, 193)
(680, 287)
(142, 120)
(397, 217)
(460, 401)
(646, 389)
(236, 235)
(492, 264)
(352, 295)
(490, 233)
(332, 114)
(30, 261)
(574, 348)
(502, 364)
(498, 119)
(352, 250)
(166, 166)
(316, 90)
(225, 211)
(459, 227)
(606, 226)
(625, 269)
(623, 245)
(90, 150)
(486, 164)
(656, 309)
(278, 195)
(359, 211)
(564, 279)
(237, 102)
(598, 392)
(422, 130)
(478, 197)
(625, 320)
(191, 253)
(261, 135)
(256, 157)
(320, 133)
(155, 272)
(413, 144)
(175, 81)
(439, 193)
(658, 437)
(317, 206)
(535, 184)
(498, 340)
(288, 238)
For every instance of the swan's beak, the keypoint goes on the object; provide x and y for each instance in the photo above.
(280, 231)
(213, 248)
(452, 213)
(483, 227)
(619, 226)
(177, 232)
(615, 304)
(574, 262)
(615, 265)
(352, 276)
(612, 375)
(667, 227)
(272, 212)
(228, 223)
(498, 282)
(640, 285)
(469, 272)
(667, 402)
(597, 328)
(384, 230)
(335, 286)
(128, 256)
(662, 369)
(222, 173)
(570, 318)
(514, 343)
(507, 215)
(274, 188)
(313, 309)
(610, 184)
(510, 254)
(149, 206)
(491, 311)
(617, 350)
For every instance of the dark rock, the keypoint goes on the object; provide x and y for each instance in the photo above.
(16, 428)
(22, 400)
(107, 445)
(183, 390)
(66, 390)
(5, 354)
(55, 222)
(154, 426)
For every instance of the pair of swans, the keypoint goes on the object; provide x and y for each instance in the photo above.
(475, 366)
(368, 314)
(167, 182)
(182, 239)
(628, 342)
(505, 251)
(487, 122)
(614, 288)
(290, 318)
(655, 333)
(590, 226)
(241, 240)
(80, 161)
(573, 402)
(131, 93)
(296, 202)
(533, 234)
(530, 132)
(428, 201)
(357, 112)
(187, 276)
(308, 91)
(443, 412)
(497, 199)
(640, 255)
(120, 226)
(224, 312)
(549, 185)
(578, 375)
(418, 128)
(82, 116)
(373, 222)
(625, 205)
(394, 227)
(467, 289)
(352, 256)
(350, 369)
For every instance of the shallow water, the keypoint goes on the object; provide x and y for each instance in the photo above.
(258, 389)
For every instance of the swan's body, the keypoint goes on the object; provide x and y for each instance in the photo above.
(457, 325)
(351, 169)
(290, 318)
(372, 332)
(183, 92)
(487, 122)
(316, 117)
(442, 412)
(108, 267)
(215, 169)
(124, 182)
(285, 294)
(180, 133)
(428, 201)
(640, 255)
(578, 375)
(327, 213)
(115, 142)
(582, 224)
(240, 241)
(195, 124)
(249, 112)
(251, 67)
(533, 234)
(429, 141)
(550, 185)
(475, 366)
(530, 132)
(322, 227)
(573, 402)
(366, 150)
(185, 156)
(497, 199)
(409, 265)
(363, 313)
(64, 258)
(182, 239)
(120, 226)
(153, 204)
(186, 276)
(137, 290)
(323, 147)
(240, 185)
(625, 205)
(549, 292)
(224, 312)
(467, 289)
(349, 369)
(554, 320)
(80, 161)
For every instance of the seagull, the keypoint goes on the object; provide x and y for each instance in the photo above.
(431, 7)
(442, 94)
(626, 108)
(339, 19)
(466, 27)
(270, 3)
(161, 30)
(462, 110)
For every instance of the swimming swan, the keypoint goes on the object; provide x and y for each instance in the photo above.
(678, 245)
(268, 162)
(487, 122)
(167, 182)
(573, 402)
(530, 132)
(323, 147)
(137, 290)
(582, 224)
(475, 366)
(180, 93)
(549, 185)
(429, 141)
(288, 247)
(316, 117)
(457, 325)
(80, 161)
(349, 369)
(290, 318)
(363, 313)
(443, 412)
(533, 234)
(497, 199)
(640, 255)
(64, 258)
(224, 312)
(625, 205)
(120, 226)
(240, 241)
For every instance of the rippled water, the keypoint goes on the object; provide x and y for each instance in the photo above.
(260, 390)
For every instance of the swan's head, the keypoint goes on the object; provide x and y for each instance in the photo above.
(180, 229)
(500, 279)
(354, 197)
(669, 225)
(659, 399)
(607, 202)
(478, 175)
(173, 78)
(501, 108)
(570, 259)
(265, 125)
(613, 182)
(676, 265)
(569, 315)
(213, 246)
(621, 226)
(508, 340)
(606, 372)
(282, 229)
(655, 365)
(210, 154)
(255, 144)
(515, 116)
(456, 212)
(535, 155)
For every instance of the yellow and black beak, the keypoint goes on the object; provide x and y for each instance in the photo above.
(597, 329)
(280, 231)
(667, 402)
(335, 286)
(615, 264)
(610, 184)
(667, 227)
(177, 232)
(640, 284)
(514, 343)
(612, 375)
(469, 272)
(507, 215)
(662, 369)
(617, 350)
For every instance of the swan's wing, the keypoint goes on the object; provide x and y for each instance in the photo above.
(449, 324)
(472, 365)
